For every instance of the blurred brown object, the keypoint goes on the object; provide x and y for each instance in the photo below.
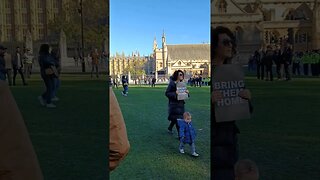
(119, 145)
(17, 156)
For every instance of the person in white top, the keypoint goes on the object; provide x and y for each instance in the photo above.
(27, 62)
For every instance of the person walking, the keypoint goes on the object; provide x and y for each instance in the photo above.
(125, 85)
(56, 79)
(8, 61)
(18, 66)
(95, 62)
(47, 72)
(2, 63)
(175, 106)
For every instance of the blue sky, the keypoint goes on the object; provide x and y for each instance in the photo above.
(135, 23)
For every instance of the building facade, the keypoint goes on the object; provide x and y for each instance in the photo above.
(20, 17)
(193, 59)
(120, 64)
(258, 23)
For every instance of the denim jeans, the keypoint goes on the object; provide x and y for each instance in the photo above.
(56, 85)
(49, 83)
(125, 89)
(193, 146)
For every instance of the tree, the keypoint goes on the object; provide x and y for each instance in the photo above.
(95, 18)
(136, 69)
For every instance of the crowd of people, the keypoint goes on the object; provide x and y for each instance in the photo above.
(94, 59)
(286, 61)
(18, 63)
(198, 81)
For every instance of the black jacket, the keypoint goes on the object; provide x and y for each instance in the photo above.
(2, 64)
(176, 107)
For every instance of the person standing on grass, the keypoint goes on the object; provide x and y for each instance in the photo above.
(18, 66)
(175, 106)
(278, 60)
(153, 82)
(8, 60)
(224, 134)
(47, 65)
(268, 59)
(187, 134)
(27, 62)
(287, 60)
(125, 85)
(55, 55)
(115, 84)
(2, 63)
(95, 62)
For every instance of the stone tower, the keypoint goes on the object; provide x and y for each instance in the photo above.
(164, 52)
(316, 24)
(155, 46)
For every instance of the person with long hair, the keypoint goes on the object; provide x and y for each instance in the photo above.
(46, 63)
(224, 134)
(175, 106)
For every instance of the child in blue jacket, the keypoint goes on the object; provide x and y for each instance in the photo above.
(187, 134)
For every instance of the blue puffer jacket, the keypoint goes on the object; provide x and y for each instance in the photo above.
(187, 131)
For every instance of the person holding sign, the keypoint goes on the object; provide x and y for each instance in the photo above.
(176, 99)
(228, 96)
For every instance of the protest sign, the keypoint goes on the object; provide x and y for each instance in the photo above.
(181, 88)
(229, 80)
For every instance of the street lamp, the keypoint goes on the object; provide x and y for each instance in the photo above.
(82, 41)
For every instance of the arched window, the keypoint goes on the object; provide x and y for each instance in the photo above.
(222, 6)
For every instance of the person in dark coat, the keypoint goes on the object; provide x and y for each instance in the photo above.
(257, 58)
(2, 63)
(153, 82)
(125, 85)
(175, 106)
(55, 55)
(17, 64)
(278, 61)
(187, 134)
(46, 63)
(267, 61)
(287, 60)
(224, 135)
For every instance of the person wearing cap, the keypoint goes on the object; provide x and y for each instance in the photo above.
(2, 63)
(8, 60)
(17, 67)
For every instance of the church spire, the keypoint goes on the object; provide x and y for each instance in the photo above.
(155, 45)
(163, 39)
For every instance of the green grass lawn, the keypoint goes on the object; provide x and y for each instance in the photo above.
(283, 135)
(154, 153)
(71, 140)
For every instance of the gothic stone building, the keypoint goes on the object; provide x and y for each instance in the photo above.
(258, 23)
(193, 59)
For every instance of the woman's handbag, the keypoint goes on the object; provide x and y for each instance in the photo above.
(52, 70)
